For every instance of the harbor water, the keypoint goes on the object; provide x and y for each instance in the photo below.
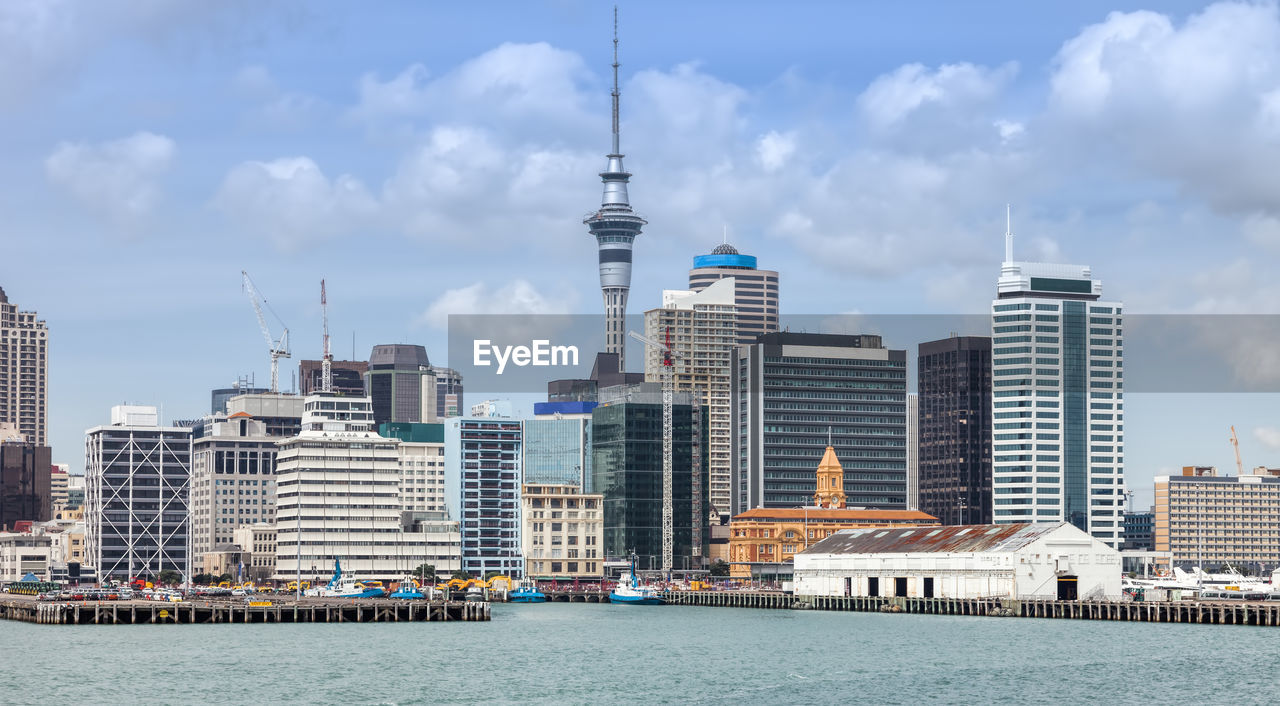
(560, 653)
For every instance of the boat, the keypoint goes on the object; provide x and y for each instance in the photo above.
(409, 589)
(346, 586)
(475, 594)
(630, 591)
(526, 592)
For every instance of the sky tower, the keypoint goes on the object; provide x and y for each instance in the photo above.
(615, 227)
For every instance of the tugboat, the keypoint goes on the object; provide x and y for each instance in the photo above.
(630, 591)
(526, 592)
(409, 589)
(343, 586)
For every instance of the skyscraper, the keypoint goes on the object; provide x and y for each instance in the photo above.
(954, 376)
(615, 227)
(794, 394)
(482, 491)
(401, 384)
(137, 480)
(24, 371)
(26, 480)
(755, 291)
(1058, 401)
(703, 333)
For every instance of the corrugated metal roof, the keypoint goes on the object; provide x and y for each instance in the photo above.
(960, 538)
(799, 513)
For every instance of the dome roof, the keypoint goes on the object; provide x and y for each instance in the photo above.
(725, 249)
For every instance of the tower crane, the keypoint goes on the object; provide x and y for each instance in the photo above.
(278, 348)
(1235, 443)
(326, 362)
(669, 356)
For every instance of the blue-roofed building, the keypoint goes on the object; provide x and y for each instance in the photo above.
(755, 291)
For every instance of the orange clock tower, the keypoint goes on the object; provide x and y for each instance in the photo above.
(830, 493)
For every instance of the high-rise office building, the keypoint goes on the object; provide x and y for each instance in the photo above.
(1057, 399)
(422, 473)
(626, 468)
(755, 291)
(401, 384)
(954, 379)
(233, 479)
(794, 394)
(339, 491)
(604, 373)
(615, 227)
(557, 444)
(218, 398)
(913, 450)
(137, 479)
(448, 393)
(702, 329)
(347, 377)
(1203, 519)
(26, 480)
(24, 372)
(482, 491)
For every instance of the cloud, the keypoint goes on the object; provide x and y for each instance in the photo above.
(291, 201)
(117, 177)
(774, 149)
(1195, 104)
(516, 297)
(892, 97)
(1268, 436)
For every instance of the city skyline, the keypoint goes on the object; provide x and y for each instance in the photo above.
(248, 148)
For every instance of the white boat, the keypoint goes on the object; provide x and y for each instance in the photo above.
(630, 591)
(347, 586)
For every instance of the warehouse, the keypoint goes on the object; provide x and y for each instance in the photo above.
(1047, 561)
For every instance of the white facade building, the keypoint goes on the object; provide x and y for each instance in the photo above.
(563, 531)
(339, 491)
(1057, 399)
(233, 479)
(422, 476)
(703, 327)
(1044, 561)
(22, 553)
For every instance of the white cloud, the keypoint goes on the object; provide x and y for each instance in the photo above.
(117, 177)
(892, 97)
(516, 297)
(774, 149)
(291, 201)
(1268, 436)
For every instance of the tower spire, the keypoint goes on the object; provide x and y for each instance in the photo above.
(1008, 233)
(617, 148)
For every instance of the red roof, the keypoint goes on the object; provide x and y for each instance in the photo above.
(846, 514)
(240, 414)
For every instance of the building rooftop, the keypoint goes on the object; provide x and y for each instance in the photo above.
(959, 538)
(800, 513)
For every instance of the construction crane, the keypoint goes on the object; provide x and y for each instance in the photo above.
(669, 356)
(278, 348)
(326, 362)
(1235, 442)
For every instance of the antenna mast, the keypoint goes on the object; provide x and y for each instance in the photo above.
(1008, 233)
(326, 364)
(617, 148)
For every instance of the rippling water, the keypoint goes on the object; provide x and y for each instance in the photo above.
(577, 653)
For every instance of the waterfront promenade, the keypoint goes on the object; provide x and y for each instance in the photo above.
(1205, 612)
(28, 609)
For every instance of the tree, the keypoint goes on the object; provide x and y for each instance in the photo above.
(460, 574)
(426, 573)
(225, 577)
(204, 579)
(168, 577)
(491, 574)
(720, 567)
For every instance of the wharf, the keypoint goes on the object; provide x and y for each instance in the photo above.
(1206, 612)
(193, 612)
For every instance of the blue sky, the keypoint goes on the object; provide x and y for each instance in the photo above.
(438, 158)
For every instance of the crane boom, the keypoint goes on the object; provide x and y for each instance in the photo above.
(1235, 442)
(277, 348)
(668, 395)
(326, 364)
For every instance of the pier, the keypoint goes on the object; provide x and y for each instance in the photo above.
(206, 612)
(1204, 612)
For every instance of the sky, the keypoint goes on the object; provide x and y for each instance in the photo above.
(428, 159)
